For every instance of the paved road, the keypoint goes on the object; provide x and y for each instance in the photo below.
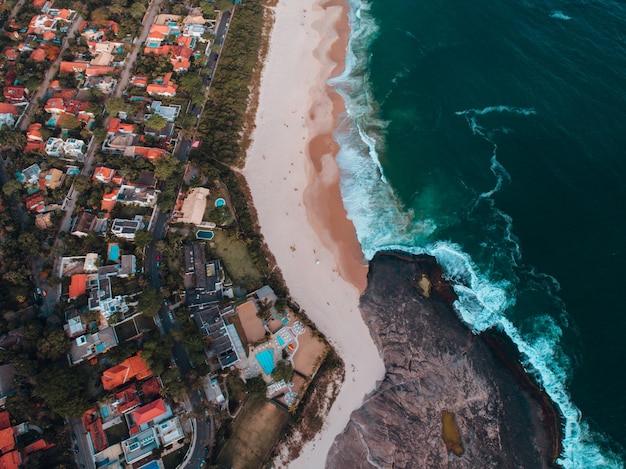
(41, 91)
(79, 440)
(148, 19)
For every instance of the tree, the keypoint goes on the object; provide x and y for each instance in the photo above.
(156, 122)
(186, 121)
(60, 389)
(283, 371)
(165, 167)
(53, 345)
(143, 238)
(13, 186)
(68, 121)
(11, 138)
(137, 10)
(191, 82)
(149, 302)
(82, 183)
(115, 105)
(256, 387)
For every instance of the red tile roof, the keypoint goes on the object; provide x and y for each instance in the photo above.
(5, 420)
(133, 367)
(7, 440)
(149, 412)
(34, 147)
(93, 425)
(34, 133)
(39, 445)
(72, 67)
(14, 94)
(10, 460)
(78, 286)
(104, 174)
(38, 55)
(8, 109)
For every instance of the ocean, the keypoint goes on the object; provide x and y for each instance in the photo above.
(492, 135)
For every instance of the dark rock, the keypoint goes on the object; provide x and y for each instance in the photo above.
(435, 364)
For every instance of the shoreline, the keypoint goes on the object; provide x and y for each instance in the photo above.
(294, 182)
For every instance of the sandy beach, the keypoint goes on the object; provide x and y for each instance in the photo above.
(294, 182)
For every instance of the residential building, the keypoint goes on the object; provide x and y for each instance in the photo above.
(88, 346)
(169, 113)
(34, 203)
(103, 174)
(85, 223)
(15, 94)
(141, 196)
(51, 178)
(8, 114)
(194, 206)
(126, 229)
(54, 147)
(128, 266)
(140, 445)
(134, 367)
(163, 87)
(7, 373)
(225, 343)
(29, 175)
(169, 431)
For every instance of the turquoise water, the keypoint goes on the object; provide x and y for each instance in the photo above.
(280, 340)
(114, 253)
(203, 234)
(266, 360)
(491, 135)
(220, 202)
(104, 411)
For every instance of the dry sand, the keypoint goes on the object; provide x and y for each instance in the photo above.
(294, 182)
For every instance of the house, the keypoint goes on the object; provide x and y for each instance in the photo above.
(146, 178)
(224, 340)
(163, 88)
(74, 148)
(105, 84)
(15, 94)
(72, 67)
(140, 445)
(74, 327)
(140, 81)
(117, 126)
(150, 154)
(103, 174)
(126, 229)
(194, 30)
(194, 206)
(88, 346)
(128, 266)
(78, 285)
(29, 175)
(43, 221)
(149, 413)
(54, 147)
(33, 134)
(38, 55)
(109, 200)
(8, 114)
(169, 113)
(169, 431)
(51, 179)
(85, 223)
(134, 367)
(141, 196)
(205, 277)
(35, 204)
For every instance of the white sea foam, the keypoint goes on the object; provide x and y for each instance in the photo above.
(559, 15)
(382, 223)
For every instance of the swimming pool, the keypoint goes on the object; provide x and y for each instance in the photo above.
(220, 202)
(114, 253)
(204, 234)
(104, 411)
(280, 340)
(266, 360)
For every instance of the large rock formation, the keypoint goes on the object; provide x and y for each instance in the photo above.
(435, 366)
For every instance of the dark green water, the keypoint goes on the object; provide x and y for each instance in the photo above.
(493, 136)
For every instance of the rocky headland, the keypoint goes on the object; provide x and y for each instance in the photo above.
(449, 398)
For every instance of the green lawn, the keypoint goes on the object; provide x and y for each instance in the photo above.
(116, 433)
(255, 432)
(237, 261)
(172, 460)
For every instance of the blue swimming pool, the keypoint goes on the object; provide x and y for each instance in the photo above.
(280, 340)
(205, 234)
(266, 360)
(220, 202)
(104, 411)
(114, 253)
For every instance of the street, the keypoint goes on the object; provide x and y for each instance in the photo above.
(79, 440)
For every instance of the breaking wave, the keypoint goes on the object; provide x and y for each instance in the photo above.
(383, 223)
